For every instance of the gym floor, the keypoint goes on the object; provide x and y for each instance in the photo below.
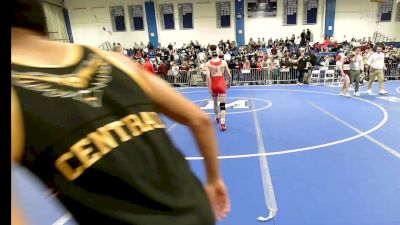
(302, 154)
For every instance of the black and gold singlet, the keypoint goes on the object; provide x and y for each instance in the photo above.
(93, 136)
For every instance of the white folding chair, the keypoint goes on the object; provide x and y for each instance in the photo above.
(315, 75)
(329, 75)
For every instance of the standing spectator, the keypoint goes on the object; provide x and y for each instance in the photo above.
(303, 37)
(308, 35)
(293, 38)
(150, 46)
(185, 65)
(148, 66)
(355, 70)
(162, 69)
(301, 66)
(263, 43)
(376, 63)
(175, 71)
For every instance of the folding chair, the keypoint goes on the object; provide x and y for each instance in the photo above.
(315, 75)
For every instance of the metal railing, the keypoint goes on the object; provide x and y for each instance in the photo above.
(317, 75)
(392, 71)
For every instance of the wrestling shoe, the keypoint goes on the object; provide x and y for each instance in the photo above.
(223, 127)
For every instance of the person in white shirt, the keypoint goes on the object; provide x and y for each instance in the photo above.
(356, 66)
(175, 71)
(376, 64)
(227, 56)
(201, 57)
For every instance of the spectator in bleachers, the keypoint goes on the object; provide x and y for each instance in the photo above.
(175, 71)
(201, 57)
(185, 66)
(170, 46)
(148, 66)
(270, 42)
(266, 62)
(259, 43)
(286, 60)
(301, 66)
(292, 39)
(287, 42)
(195, 55)
(142, 46)
(227, 56)
(246, 64)
(253, 63)
(308, 35)
(150, 46)
(162, 69)
(274, 50)
(119, 49)
(303, 37)
(263, 43)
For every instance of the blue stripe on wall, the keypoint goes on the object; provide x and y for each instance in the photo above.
(68, 25)
(330, 17)
(151, 23)
(239, 11)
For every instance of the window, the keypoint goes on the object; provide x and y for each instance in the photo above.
(398, 12)
(185, 15)
(118, 18)
(385, 11)
(223, 14)
(310, 10)
(289, 12)
(136, 17)
(167, 16)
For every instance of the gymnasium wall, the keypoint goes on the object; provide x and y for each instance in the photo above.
(354, 18)
(358, 18)
(204, 24)
(89, 17)
(273, 26)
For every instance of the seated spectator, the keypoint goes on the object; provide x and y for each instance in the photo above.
(185, 66)
(253, 63)
(119, 49)
(246, 64)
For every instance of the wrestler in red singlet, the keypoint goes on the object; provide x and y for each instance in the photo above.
(216, 68)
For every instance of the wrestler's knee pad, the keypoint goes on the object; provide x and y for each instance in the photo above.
(222, 105)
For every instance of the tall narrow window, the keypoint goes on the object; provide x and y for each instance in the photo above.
(385, 11)
(398, 11)
(136, 17)
(310, 10)
(223, 14)
(289, 12)
(185, 15)
(167, 16)
(118, 18)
